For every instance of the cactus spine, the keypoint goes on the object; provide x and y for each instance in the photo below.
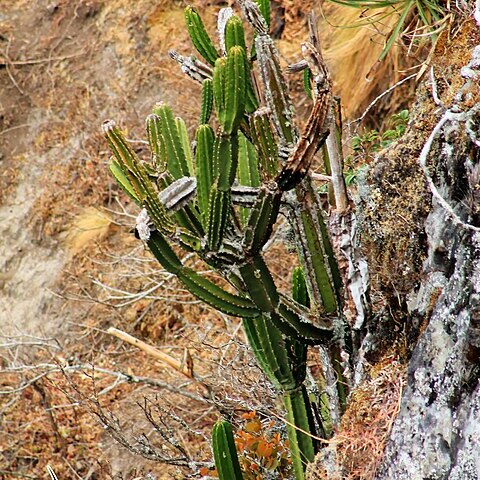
(222, 204)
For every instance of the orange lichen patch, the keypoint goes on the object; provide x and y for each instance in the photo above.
(366, 425)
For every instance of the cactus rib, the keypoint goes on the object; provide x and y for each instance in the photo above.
(207, 101)
(264, 140)
(262, 218)
(224, 452)
(199, 35)
(235, 81)
(216, 296)
(204, 162)
(129, 163)
(156, 143)
(174, 148)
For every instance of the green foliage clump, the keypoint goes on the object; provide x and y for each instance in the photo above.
(372, 141)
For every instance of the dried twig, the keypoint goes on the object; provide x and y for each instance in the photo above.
(186, 368)
(360, 119)
(36, 61)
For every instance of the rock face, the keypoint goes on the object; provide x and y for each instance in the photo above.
(437, 432)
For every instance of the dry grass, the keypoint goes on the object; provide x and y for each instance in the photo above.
(91, 225)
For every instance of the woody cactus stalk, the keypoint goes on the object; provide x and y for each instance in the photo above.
(222, 200)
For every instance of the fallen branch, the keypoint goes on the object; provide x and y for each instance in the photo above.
(185, 366)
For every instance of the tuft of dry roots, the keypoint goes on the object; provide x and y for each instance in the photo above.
(369, 418)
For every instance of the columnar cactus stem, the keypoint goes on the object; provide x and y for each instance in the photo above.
(224, 452)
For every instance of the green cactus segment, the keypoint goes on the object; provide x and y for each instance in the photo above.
(229, 89)
(234, 33)
(316, 262)
(129, 164)
(225, 160)
(199, 35)
(189, 241)
(264, 140)
(174, 148)
(207, 101)
(156, 143)
(235, 36)
(204, 164)
(268, 346)
(298, 425)
(216, 296)
(251, 101)
(299, 287)
(307, 82)
(123, 181)
(251, 332)
(224, 168)
(342, 384)
(247, 174)
(260, 284)
(192, 229)
(183, 134)
(296, 320)
(235, 82)
(332, 261)
(262, 219)
(225, 452)
(247, 163)
(219, 87)
(315, 250)
(162, 251)
(297, 350)
(218, 210)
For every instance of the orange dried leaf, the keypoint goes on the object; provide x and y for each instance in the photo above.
(253, 427)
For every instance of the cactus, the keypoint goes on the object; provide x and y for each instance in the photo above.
(225, 452)
(223, 201)
(207, 101)
(199, 36)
